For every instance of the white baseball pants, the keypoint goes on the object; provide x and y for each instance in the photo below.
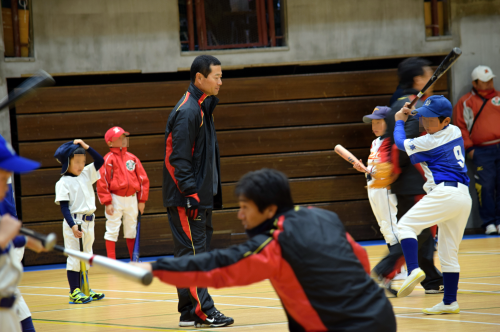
(71, 242)
(384, 207)
(125, 207)
(449, 208)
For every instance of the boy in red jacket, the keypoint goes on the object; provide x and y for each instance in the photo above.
(123, 188)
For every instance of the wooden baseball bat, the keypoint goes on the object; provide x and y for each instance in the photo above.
(348, 156)
(443, 67)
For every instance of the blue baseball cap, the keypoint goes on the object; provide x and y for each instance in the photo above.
(378, 113)
(435, 106)
(64, 153)
(11, 162)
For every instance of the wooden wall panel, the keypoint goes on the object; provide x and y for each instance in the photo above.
(231, 143)
(308, 190)
(54, 126)
(235, 90)
(294, 165)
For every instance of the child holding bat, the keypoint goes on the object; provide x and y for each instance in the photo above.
(382, 201)
(123, 188)
(75, 195)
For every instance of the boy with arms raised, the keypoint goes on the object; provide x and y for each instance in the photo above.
(447, 203)
(75, 195)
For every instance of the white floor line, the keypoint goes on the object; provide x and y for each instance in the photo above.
(447, 320)
(478, 283)
(480, 277)
(150, 300)
(468, 290)
(137, 292)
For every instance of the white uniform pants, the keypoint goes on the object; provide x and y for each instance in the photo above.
(449, 208)
(71, 242)
(125, 207)
(21, 307)
(384, 207)
(9, 320)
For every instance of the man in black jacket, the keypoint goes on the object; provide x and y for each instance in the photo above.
(413, 75)
(313, 264)
(191, 181)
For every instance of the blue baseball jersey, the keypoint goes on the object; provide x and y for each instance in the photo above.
(441, 155)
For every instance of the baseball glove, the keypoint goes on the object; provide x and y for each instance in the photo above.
(381, 175)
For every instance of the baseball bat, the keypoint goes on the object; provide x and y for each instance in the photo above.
(443, 67)
(348, 156)
(135, 254)
(48, 241)
(84, 277)
(40, 79)
(124, 270)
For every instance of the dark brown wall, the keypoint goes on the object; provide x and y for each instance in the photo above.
(291, 123)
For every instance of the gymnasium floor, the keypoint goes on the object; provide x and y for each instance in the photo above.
(131, 307)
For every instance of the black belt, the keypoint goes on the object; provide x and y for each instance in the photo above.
(451, 183)
(7, 302)
(85, 217)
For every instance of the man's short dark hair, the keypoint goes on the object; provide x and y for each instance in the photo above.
(410, 68)
(201, 64)
(266, 187)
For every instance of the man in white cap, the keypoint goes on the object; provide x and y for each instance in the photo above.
(477, 114)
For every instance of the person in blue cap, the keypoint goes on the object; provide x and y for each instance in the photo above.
(11, 302)
(448, 203)
(75, 195)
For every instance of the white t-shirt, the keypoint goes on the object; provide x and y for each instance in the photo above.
(78, 190)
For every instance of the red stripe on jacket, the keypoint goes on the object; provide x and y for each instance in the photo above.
(169, 149)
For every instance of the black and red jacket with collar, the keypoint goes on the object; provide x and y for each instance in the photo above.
(190, 138)
(312, 263)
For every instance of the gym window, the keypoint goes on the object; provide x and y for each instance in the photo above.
(230, 24)
(436, 14)
(18, 41)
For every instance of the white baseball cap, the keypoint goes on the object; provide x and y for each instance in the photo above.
(482, 73)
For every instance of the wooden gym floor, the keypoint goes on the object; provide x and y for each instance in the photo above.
(131, 307)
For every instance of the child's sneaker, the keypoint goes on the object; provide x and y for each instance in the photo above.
(77, 297)
(442, 308)
(96, 296)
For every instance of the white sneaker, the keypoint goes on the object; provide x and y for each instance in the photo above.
(415, 277)
(491, 230)
(442, 308)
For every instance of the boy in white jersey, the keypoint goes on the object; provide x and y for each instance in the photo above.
(447, 203)
(75, 195)
(382, 201)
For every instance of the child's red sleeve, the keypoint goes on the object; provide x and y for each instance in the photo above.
(142, 177)
(103, 183)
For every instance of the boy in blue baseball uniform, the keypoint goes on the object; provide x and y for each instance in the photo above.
(441, 154)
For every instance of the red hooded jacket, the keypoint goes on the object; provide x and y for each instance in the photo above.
(123, 175)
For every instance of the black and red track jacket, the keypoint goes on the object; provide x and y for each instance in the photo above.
(310, 261)
(189, 165)
(411, 177)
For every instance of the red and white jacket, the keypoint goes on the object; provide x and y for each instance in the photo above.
(123, 175)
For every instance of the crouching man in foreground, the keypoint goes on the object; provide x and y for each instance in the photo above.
(317, 269)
